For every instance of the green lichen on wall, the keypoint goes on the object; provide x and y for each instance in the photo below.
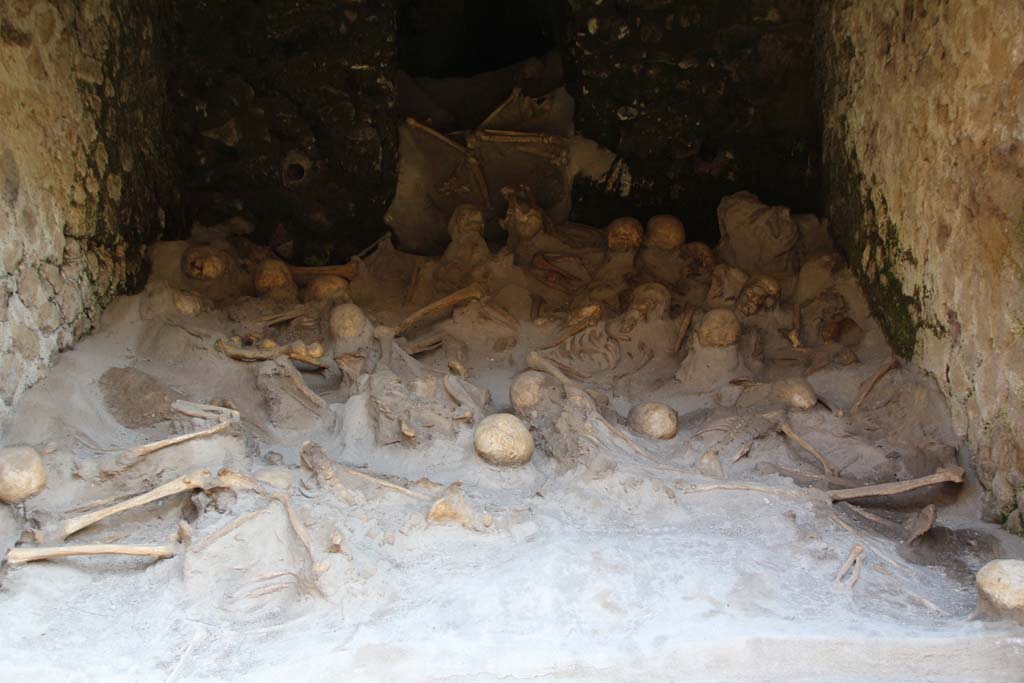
(858, 229)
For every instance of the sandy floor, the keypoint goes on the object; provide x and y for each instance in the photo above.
(620, 571)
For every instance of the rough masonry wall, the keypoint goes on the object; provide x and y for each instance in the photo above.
(924, 174)
(701, 99)
(287, 112)
(84, 178)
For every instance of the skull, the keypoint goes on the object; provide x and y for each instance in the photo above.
(654, 420)
(758, 294)
(273, 279)
(466, 220)
(719, 327)
(697, 260)
(502, 439)
(665, 232)
(624, 235)
(203, 262)
(523, 218)
(326, 288)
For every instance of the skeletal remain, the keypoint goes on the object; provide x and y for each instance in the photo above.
(1001, 590)
(844, 331)
(710, 465)
(788, 430)
(22, 474)
(852, 565)
(467, 253)
(578, 320)
(654, 420)
(824, 312)
(714, 355)
(326, 288)
(269, 350)
(612, 276)
(200, 479)
(204, 262)
(803, 477)
(870, 383)
(758, 294)
(187, 303)
(524, 221)
(919, 524)
(951, 475)
(739, 432)
(274, 279)
(452, 506)
(719, 328)
(659, 258)
(502, 439)
(684, 327)
(817, 274)
(697, 261)
(439, 307)
(795, 392)
(537, 397)
(756, 237)
(649, 304)
(23, 555)
(581, 432)
(727, 283)
(347, 271)
(625, 235)
(308, 578)
(224, 418)
(409, 402)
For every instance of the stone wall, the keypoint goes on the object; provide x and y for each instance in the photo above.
(701, 99)
(85, 181)
(924, 174)
(287, 115)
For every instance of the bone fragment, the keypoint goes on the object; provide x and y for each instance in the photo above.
(800, 441)
(438, 307)
(684, 327)
(872, 381)
(23, 555)
(853, 562)
(952, 475)
(112, 465)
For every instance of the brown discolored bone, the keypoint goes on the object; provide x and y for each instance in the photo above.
(439, 307)
(665, 232)
(347, 271)
(326, 288)
(203, 262)
(684, 327)
(624, 235)
(273, 278)
(698, 260)
(952, 475)
(268, 350)
(758, 294)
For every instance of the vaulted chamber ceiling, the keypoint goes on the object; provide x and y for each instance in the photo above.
(434, 339)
